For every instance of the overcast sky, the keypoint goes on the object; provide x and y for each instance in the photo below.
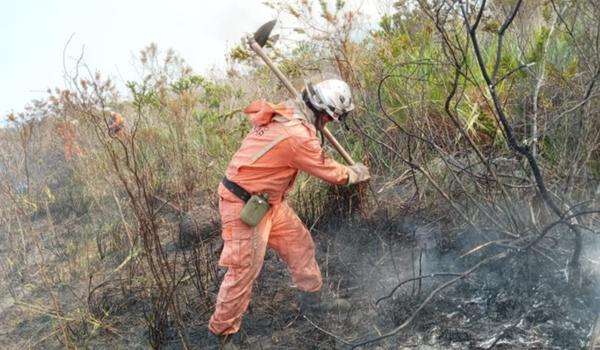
(34, 34)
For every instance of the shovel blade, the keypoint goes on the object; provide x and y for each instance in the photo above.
(262, 34)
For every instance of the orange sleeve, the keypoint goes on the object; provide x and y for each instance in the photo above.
(308, 156)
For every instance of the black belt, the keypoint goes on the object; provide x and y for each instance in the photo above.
(236, 189)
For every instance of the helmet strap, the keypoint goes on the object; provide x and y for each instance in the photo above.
(345, 123)
(317, 113)
(318, 116)
(322, 138)
(307, 102)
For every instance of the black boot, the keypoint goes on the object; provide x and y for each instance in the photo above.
(310, 303)
(313, 304)
(213, 341)
(217, 342)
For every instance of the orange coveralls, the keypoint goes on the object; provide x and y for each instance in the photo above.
(282, 142)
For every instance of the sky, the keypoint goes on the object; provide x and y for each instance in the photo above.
(40, 37)
(110, 33)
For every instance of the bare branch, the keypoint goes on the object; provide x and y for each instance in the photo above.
(429, 298)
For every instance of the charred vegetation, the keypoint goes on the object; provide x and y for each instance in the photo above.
(479, 229)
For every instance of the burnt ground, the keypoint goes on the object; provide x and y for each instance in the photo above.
(519, 302)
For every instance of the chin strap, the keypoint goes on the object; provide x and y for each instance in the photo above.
(317, 117)
(315, 112)
(345, 123)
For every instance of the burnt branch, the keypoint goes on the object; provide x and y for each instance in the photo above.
(524, 150)
(408, 321)
(418, 278)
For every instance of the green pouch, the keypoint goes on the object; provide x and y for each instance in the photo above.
(255, 209)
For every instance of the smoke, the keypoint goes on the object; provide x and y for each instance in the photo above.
(591, 262)
(375, 259)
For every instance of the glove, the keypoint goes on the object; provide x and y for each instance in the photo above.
(358, 173)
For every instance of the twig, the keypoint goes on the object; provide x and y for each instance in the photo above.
(503, 333)
(432, 275)
(325, 331)
(563, 220)
(483, 246)
(428, 299)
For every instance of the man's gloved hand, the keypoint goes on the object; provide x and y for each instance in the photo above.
(358, 173)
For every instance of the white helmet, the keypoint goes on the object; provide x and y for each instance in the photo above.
(332, 96)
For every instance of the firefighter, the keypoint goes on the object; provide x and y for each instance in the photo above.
(252, 205)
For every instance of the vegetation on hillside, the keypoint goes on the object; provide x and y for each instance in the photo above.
(481, 113)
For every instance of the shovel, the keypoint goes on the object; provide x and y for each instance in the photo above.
(256, 42)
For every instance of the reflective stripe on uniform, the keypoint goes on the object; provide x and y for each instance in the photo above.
(267, 148)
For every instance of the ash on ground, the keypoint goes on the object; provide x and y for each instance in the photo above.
(520, 302)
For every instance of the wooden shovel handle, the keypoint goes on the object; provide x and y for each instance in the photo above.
(334, 142)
